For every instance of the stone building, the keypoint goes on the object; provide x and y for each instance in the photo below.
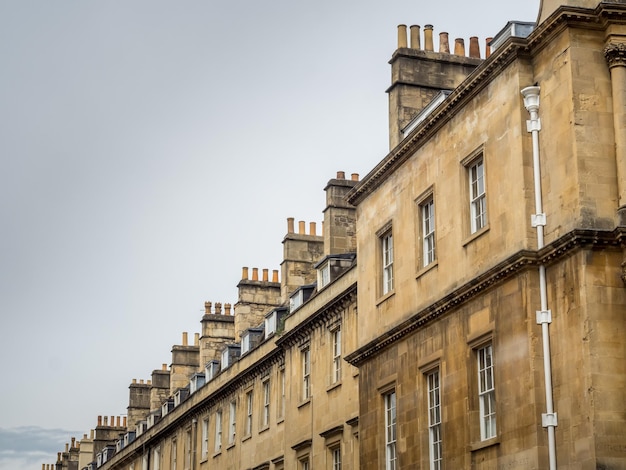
(491, 300)
(490, 248)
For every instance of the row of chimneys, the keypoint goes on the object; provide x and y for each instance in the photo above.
(255, 271)
(104, 421)
(444, 45)
(148, 382)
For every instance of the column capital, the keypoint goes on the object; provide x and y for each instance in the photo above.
(615, 54)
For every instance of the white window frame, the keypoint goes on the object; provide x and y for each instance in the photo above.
(336, 353)
(434, 420)
(187, 449)
(282, 397)
(336, 457)
(306, 373)
(156, 458)
(427, 209)
(205, 438)
(265, 420)
(174, 455)
(477, 193)
(486, 392)
(218, 431)
(304, 463)
(232, 422)
(323, 274)
(386, 243)
(249, 411)
(391, 457)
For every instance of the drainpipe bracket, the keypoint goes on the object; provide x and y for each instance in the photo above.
(544, 316)
(533, 125)
(549, 420)
(538, 219)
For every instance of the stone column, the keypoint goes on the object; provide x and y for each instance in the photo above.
(615, 54)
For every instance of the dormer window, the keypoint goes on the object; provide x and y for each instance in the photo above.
(180, 396)
(300, 296)
(323, 274)
(272, 321)
(250, 339)
(229, 355)
(196, 381)
(211, 369)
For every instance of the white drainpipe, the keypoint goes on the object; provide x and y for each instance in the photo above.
(544, 316)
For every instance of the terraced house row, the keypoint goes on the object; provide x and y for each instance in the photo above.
(465, 304)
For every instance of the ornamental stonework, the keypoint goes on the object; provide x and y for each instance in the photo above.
(615, 54)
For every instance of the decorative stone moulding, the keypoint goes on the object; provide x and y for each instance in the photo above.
(615, 54)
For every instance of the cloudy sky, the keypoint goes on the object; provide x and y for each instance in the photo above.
(149, 150)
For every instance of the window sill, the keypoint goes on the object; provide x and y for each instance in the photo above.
(426, 268)
(334, 386)
(280, 420)
(494, 441)
(385, 297)
(264, 428)
(246, 437)
(476, 235)
(217, 453)
(304, 403)
(204, 458)
(230, 446)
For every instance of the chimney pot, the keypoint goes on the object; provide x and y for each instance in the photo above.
(218, 307)
(67, 447)
(106, 421)
(84, 436)
(134, 381)
(141, 381)
(196, 339)
(125, 421)
(341, 175)
(112, 421)
(149, 382)
(401, 36)
(301, 225)
(255, 274)
(244, 273)
(275, 275)
(163, 366)
(459, 47)
(312, 228)
(99, 420)
(444, 44)
(73, 442)
(474, 48)
(415, 36)
(91, 434)
(227, 308)
(290, 225)
(428, 37)
(488, 47)
(355, 177)
(58, 457)
(265, 274)
(184, 340)
(118, 421)
(207, 307)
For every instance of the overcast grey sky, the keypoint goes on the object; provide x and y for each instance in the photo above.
(149, 149)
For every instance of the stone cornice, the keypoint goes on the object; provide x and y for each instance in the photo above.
(605, 14)
(513, 265)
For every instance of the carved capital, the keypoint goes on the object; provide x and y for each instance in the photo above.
(615, 54)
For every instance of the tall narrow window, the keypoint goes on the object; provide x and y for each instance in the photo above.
(266, 403)
(336, 455)
(188, 449)
(174, 455)
(390, 431)
(387, 253)
(156, 459)
(486, 393)
(336, 344)
(249, 407)
(205, 437)
(306, 374)
(304, 463)
(434, 421)
(428, 231)
(478, 201)
(218, 431)
(232, 422)
(282, 397)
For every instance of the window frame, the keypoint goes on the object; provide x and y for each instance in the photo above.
(204, 452)
(249, 412)
(477, 192)
(336, 354)
(386, 249)
(218, 432)
(282, 395)
(486, 391)
(391, 430)
(306, 373)
(267, 396)
(173, 454)
(427, 223)
(232, 422)
(435, 441)
(335, 453)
